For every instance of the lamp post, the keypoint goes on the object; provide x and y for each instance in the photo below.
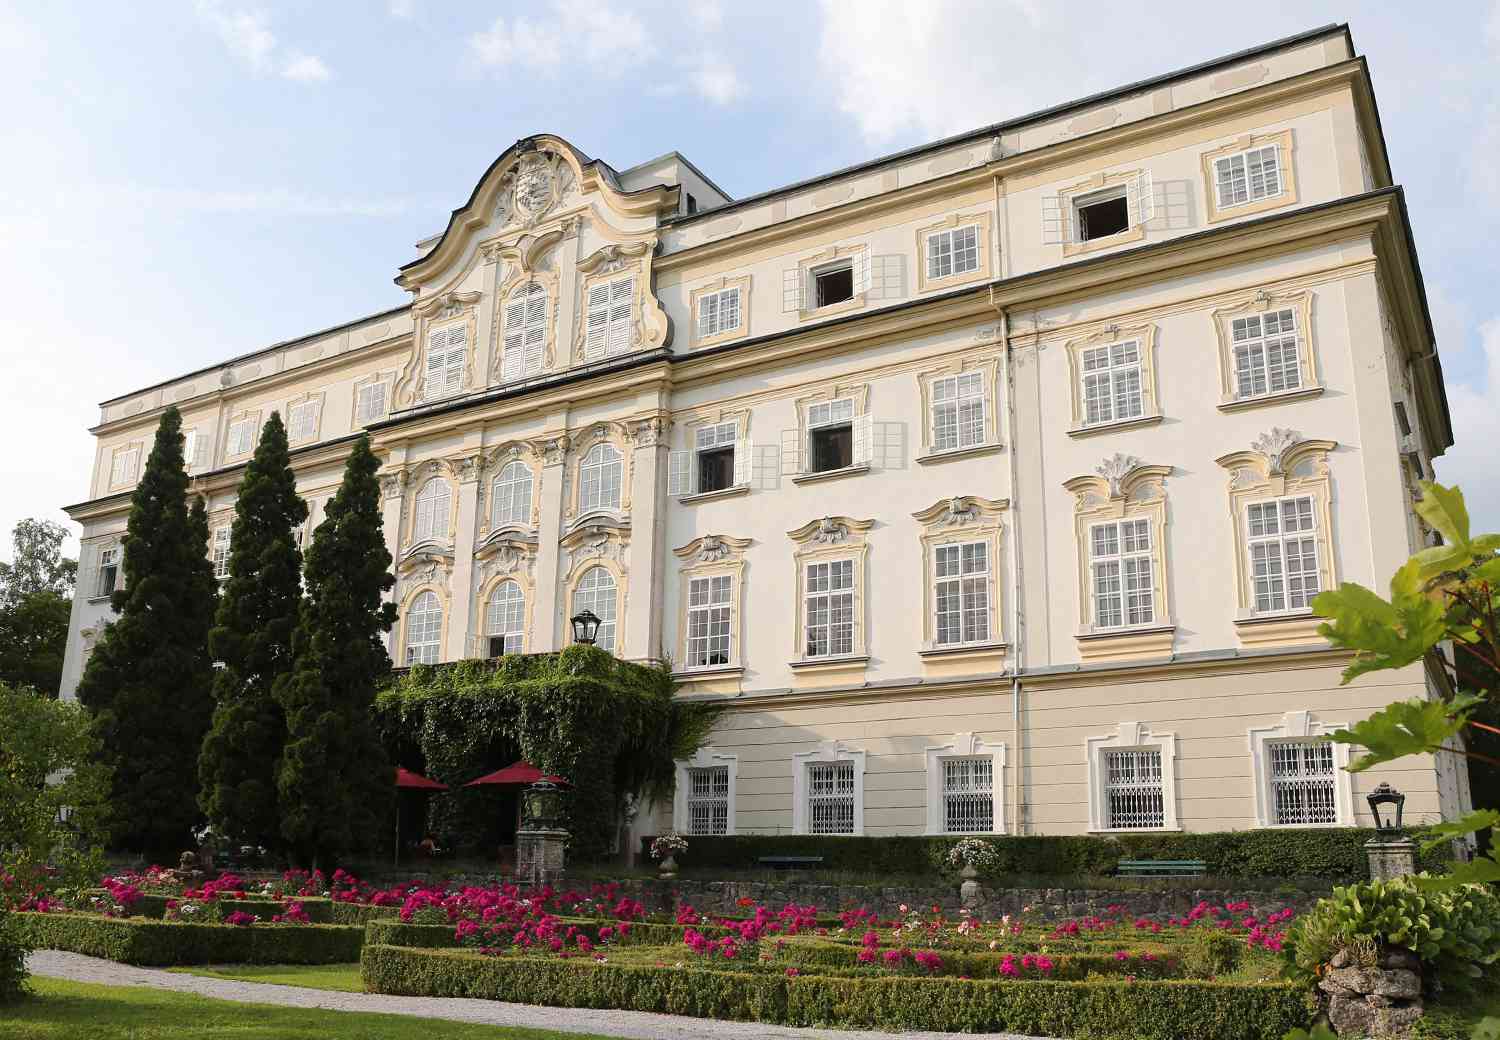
(1391, 853)
(541, 839)
(586, 627)
(1385, 794)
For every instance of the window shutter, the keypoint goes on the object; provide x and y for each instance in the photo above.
(862, 440)
(536, 329)
(1142, 200)
(1057, 221)
(743, 460)
(88, 580)
(792, 289)
(677, 473)
(598, 321)
(453, 360)
(860, 269)
(512, 365)
(791, 452)
(436, 383)
(621, 303)
(888, 277)
(202, 451)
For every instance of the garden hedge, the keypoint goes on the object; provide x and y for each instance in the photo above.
(1331, 853)
(1150, 1010)
(818, 956)
(440, 936)
(319, 909)
(160, 943)
(398, 933)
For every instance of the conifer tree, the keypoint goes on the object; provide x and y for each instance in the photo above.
(252, 642)
(336, 784)
(147, 681)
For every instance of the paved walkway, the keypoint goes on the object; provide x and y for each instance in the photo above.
(637, 1024)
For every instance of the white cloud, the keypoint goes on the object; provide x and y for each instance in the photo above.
(708, 15)
(306, 68)
(250, 39)
(1470, 463)
(716, 79)
(402, 8)
(608, 41)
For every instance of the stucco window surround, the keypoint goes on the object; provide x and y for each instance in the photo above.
(304, 418)
(1286, 175)
(797, 459)
(799, 290)
(961, 793)
(1265, 360)
(1062, 222)
(580, 445)
(371, 398)
(684, 797)
(936, 244)
(418, 644)
(525, 272)
(840, 542)
(105, 569)
(949, 430)
(1121, 491)
(1281, 467)
(443, 349)
(605, 545)
(125, 464)
(503, 563)
(1281, 799)
(684, 476)
(713, 556)
(242, 434)
(966, 531)
(500, 499)
(818, 800)
(1119, 363)
(431, 506)
(613, 318)
(715, 290)
(1143, 796)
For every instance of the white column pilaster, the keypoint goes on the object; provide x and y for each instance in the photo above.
(647, 537)
(546, 613)
(461, 591)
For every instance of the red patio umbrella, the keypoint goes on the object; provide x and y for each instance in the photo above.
(407, 780)
(517, 774)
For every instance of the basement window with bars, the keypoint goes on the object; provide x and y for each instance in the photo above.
(708, 800)
(1283, 550)
(1303, 782)
(1133, 794)
(969, 795)
(830, 797)
(1266, 357)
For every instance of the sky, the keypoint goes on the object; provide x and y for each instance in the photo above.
(183, 182)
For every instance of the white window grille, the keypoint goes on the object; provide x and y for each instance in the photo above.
(709, 609)
(957, 411)
(434, 501)
(1283, 553)
(1133, 794)
(611, 307)
(424, 629)
(830, 413)
(829, 622)
(596, 592)
(525, 333)
(1112, 383)
(961, 593)
(1303, 782)
(446, 348)
(505, 617)
(1248, 176)
(124, 465)
(708, 800)
(830, 797)
(1120, 557)
(969, 795)
(221, 552)
(718, 312)
(1265, 354)
(599, 478)
(109, 570)
(510, 495)
(953, 252)
(241, 438)
(302, 421)
(369, 403)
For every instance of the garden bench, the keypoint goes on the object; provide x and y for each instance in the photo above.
(1161, 868)
(790, 862)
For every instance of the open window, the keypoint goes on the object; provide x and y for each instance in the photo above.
(830, 435)
(1105, 210)
(720, 460)
(833, 283)
(1100, 214)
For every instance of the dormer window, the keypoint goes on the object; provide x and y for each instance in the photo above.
(525, 333)
(611, 304)
(446, 348)
(1101, 214)
(833, 283)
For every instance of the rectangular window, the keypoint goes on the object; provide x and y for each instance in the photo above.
(1120, 557)
(958, 411)
(302, 421)
(968, 795)
(713, 447)
(446, 349)
(610, 323)
(708, 619)
(830, 797)
(829, 624)
(1302, 782)
(1248, 176)
(1112, 383)
(833, 283)
(241, 439)
(953, 252)
(1283, 553)
(124, 465)
(1133, 796)
(961, 593)
(221, 552)
(1265, 354)
(1100, 214)
(370, 403)
(708, 800)
(830, 434)
(718, 312)
(109, 570)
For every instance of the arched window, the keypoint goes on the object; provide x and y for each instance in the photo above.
(525, 333)
(599, 477)
(510, 496)
(596, 592)
(505, 619)
(433, 503)
(424, 629)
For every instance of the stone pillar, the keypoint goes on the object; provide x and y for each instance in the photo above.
(544, 614)
(1391, 858)
(1381, 1000)
(643, 629)
(539, 855)
(461, 592)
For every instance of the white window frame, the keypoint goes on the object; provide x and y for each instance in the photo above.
(303, 419)
(963, 578)
(964, 746)
(222, 548)
(197, 450)
(506, 620)
(1124, 555)
(843, 263)
(242, 435)
(704, 758)
(961, 258)
(444, 361)
(715, 310)
(716, 614)
(594, 481)
(590, 598)
(610, 317)
(125, 465)
(1080, 202)
(1114, 375)
(515, 493)
(1131, 736)
(1299, 726)
(525, 337)
(108, 556)
(432, 512)
(827, 595)
(955, 393)
(364, 395)
(684, 472)
(826, 753)
(1278, 541)
(1250, 356)
(424, 651)
(1244, 158)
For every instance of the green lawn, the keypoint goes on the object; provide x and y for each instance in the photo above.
(341, 977)
(63, 1010)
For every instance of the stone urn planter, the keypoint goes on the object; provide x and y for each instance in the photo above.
(667, 868)
(1381, 1001)
(968, 892)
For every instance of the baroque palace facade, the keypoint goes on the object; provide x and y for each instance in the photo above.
(987, 483)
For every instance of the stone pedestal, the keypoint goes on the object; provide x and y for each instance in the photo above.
(1391, 858)
(968, 892)
(1380, 1001)
(539, 855)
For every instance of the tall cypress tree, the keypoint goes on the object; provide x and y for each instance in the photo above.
(252, 642)
(147, 681)
(336, 784)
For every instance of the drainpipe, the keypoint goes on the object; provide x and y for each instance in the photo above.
(1017, 615)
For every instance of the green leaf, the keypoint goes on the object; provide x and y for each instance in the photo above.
(1318, 1032)
(1480, 870)
(1475, 821)
(1386, 634)
(1486, 1029)
(1443, 508)
(1404, 728)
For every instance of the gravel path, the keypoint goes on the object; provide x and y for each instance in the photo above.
(637, 1024)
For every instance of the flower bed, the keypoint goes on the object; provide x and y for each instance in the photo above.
(161, 943)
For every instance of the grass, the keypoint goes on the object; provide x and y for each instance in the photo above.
(63, 1010)
(343, 978)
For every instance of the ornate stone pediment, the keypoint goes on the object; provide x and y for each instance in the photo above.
(960, 511)
(1277, 455)
(712, 548)
(830, 530)
(1119, 479)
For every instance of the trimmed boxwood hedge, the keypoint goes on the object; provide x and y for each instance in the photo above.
(319, 909)
(397, 933)
(1179, 1010)
(160, 943)
(1332, 853)
(982, 964)
(440, 936)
